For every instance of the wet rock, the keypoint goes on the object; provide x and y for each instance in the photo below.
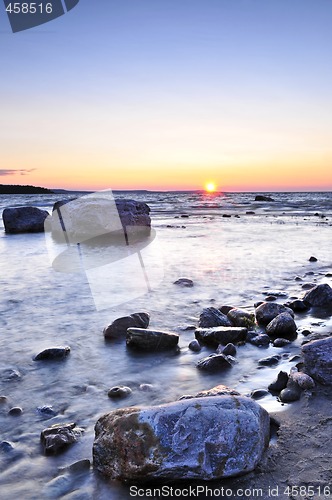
(280, 383)
(270, 360)
(319, 296)
(283, 326)
(259, 394)
(240, 317)
(270, 298)
(225, 309)
(215, 362)
(291, 393)
(228, 350)
(118, 328)
(24, 220)
(16, 411)
(250, 212)
(317, 357)
(211, 317)
(298, 278)
(201, 438)
(221, 335)
(184, 282)
(303, 380)
(6, 447)
(53, 353)
(118, 392)
(267, 311)
(261, 197)
(259, 340)
(151, 340)
(79, 466)
(195, 346)
(280, 342)
(46, 411)
(59, 436)
(146, 387)
(218, 390)
(298, 305)
(308, 286)
(313, 259)
(9, 374)
(3, 400)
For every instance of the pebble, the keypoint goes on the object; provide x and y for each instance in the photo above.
(195, 346)
(259, 393)
(291, 393)
(119, 392)
(15, 411)
(313, 259)
(279, 342)
(270, 360)
(184, 282)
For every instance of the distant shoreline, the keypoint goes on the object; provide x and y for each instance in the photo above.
(18, 189)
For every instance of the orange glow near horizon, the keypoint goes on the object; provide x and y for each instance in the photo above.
(210, 187)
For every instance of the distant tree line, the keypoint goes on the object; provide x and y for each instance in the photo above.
(18, 189)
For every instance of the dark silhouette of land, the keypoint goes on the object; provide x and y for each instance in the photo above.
(18, 189)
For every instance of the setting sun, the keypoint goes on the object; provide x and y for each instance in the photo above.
(210, 187)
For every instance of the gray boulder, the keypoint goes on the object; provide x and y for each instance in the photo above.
(203, 438)
(282, 326)
(151, 340)
(24, 220)
(221, 335)
(118, 328)
(210, 316)
(59, 436)
(319, 296)
(267, 311)
(317, 358)
(240, 317)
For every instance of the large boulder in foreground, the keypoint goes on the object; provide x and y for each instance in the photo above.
(203, 438)
(267, 311)
(319, 296)
(98, 215)
(24, 220)
(317, 357)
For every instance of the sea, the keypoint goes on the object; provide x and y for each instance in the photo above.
(235, 250)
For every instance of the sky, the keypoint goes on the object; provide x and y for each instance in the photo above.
(170, 94)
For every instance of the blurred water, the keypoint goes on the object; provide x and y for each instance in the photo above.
(232, 260)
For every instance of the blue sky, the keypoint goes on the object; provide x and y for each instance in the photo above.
(171, 93)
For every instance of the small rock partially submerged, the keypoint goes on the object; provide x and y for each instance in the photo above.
(282, 326)
(211, 317)
(216, 362)
(118, 328)
(119, 391)
(53, 353)
(240, 317)
(319, 296)
(151, 340)
(203, 438)
(59, 436)
(184, 282)
(221, 335)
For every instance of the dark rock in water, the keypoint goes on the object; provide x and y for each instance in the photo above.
(227, 215)
(270, 360)
(24, 220)
(79, 466)
(218, 390)
(225, 309)
(215, 362)
(291, 393)
(328, 275)
(308, 286)
(250, 212)
(211, 317)
(228, 350)
(259, 340)
(196, 439)
(260, 197)
(270, 298)
(258, 303)
(317, 357)
(267, 311)
(221, 335)
(59, 436)
(53, 353)
(186, 328)
(280, 342)
(46, 411)
(184, 216)
(283, 326)
(298, 278)
(313, 259)
(9, 374)
(118, 392)
(184, 282)
(304, 381)
(151, 340)
(259, 393)
(195, 346)
(280, 383)
(319, 296)
(298, 305)
(6, 446)
(3, 399)
(118, 328)
(16, 411)
(91, 216)
(240, 317)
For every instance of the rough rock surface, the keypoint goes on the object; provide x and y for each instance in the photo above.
(24, 220)
(151, 340)
(317, 357)
(200, 438)
(118, 328)
(218, 390)
(240, 317)
(57, 437)
(215, 362)
(221, 335)
(53, 353)
(282, 326)
(211, 317)
(319, 296)
(267, 311)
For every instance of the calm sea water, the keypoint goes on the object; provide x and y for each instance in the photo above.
(232, 260)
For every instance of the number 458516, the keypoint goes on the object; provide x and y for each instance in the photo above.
(29, 8)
